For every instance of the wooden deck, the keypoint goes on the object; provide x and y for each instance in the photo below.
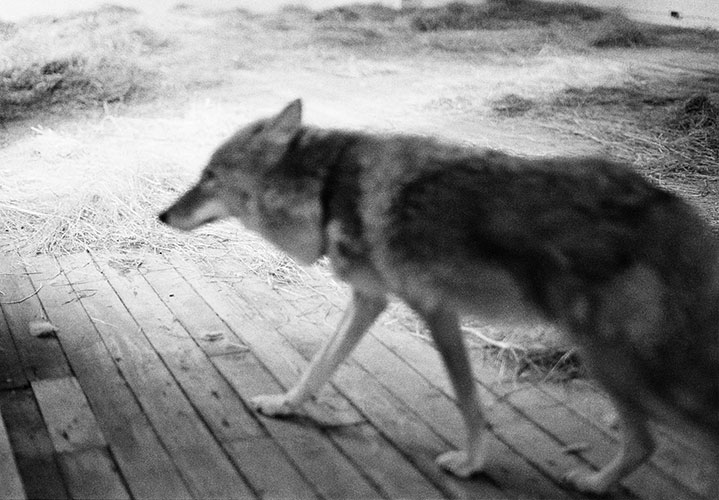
(141, 394)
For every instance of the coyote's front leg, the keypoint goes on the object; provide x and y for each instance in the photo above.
(360, 315)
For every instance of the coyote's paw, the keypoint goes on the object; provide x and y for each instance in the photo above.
(460, 464)
(273, 405)
(587, 481)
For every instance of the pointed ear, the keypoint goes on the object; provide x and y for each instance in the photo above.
(287, 123)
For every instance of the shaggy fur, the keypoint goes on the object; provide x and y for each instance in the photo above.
(626, 268)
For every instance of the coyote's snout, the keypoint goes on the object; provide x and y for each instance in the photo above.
(194, 209)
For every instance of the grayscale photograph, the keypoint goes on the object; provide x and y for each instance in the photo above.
(348, 249)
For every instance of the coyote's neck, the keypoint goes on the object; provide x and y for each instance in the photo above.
(318, 150)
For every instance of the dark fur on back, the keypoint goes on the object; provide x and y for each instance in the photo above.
(627, 269)
(563, 228)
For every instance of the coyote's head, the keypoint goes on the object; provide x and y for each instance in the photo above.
(253, 177)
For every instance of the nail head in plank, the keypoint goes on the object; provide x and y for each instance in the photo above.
(69, 420)
(34, 454)
(278, 355)
(403, 381)
(194, 450)
(141, 457)
(210, 393)
(210, 332)
(406, 482)
(412, 437)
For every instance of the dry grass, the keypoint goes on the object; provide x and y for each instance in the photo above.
(512, 105)
(377, 13)
(615, 30)
(117, 215)
(695, 124)
(501, 14)
(83, 60)
(664, 126)
(91, 60)
(529, 26)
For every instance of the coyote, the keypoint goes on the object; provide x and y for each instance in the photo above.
(627, 269)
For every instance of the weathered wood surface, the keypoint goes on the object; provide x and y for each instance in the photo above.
(142, 393)
(10, 481)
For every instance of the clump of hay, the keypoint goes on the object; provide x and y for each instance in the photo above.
(528, 352)
(120, 217)
(698, 112)
(501, 14)
(354, 25)
(512, 105)
(338, 14)
(74, 80)
(630, 96)
(358, 12)
(616, 30)
(696, 129)
(81, 60)
(663, 126)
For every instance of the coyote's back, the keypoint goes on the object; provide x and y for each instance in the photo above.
(628, 269)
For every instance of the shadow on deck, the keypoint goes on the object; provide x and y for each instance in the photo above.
(141, 394)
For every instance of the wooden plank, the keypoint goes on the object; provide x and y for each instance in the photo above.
(409, 381)
(68, 417)
(388, 469)
(282, 359)
(564, 424)
(314, 455)
(200, 459)
(187, 306)
(516, 430)
(87, 468)
(34, 454)
(91, 473)
(674, 456)
(147, 467)
(544, 449)
(202, 323)
(434, 407)
(11, 484)
(419, 441)
(649, 480)
(12, 376)
(269, 471)
(412, 438)
(211, 395)
(40, 357)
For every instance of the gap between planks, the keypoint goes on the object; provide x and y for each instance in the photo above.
(294, 332)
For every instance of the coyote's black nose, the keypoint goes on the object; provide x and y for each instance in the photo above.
(163, 217)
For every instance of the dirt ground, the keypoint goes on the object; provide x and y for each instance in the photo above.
(215, 71)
